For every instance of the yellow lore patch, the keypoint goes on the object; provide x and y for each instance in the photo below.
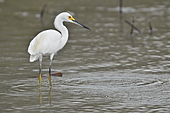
(70, 18)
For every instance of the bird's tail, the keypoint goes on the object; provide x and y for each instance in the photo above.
(33, 58)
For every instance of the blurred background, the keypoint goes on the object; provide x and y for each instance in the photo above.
(121, 65)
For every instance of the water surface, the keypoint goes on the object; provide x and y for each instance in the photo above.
(104, 69)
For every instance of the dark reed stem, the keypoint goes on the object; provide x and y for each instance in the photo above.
(150, 28)
(133, 21)
(42, 13)
(133, 26)
(120, 8)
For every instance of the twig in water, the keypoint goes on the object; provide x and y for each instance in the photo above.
(133, 21)
(42, 13)
(120, 7)
(133, 26)
(131, 32)
(150, 28)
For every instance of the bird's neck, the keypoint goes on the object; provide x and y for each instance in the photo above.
(64, 32)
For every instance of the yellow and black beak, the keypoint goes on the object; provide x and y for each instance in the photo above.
(78, 23)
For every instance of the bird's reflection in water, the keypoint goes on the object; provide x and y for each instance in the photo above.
(49, 90)
(42, 97)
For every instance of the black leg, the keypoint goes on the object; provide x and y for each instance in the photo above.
(40, 68)
(50, 67)
(40, 75)
(49, 76)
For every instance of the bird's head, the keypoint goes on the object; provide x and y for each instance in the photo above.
(65, 16)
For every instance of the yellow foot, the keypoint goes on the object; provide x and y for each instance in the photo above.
(40, 80)
(49, 80)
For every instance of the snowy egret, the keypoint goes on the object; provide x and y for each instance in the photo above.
(51, 41)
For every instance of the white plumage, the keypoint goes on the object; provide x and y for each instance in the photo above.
(46, 42)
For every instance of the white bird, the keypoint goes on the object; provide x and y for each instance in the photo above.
(51, 41)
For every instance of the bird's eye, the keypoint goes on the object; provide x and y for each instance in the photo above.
(69, 17)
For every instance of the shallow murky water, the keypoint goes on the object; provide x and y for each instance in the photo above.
(107, 70)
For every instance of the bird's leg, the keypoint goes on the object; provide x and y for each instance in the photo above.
(40, 79)
(40, 75)
(49, 75)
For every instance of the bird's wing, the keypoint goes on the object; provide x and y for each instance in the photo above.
(45, 42)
